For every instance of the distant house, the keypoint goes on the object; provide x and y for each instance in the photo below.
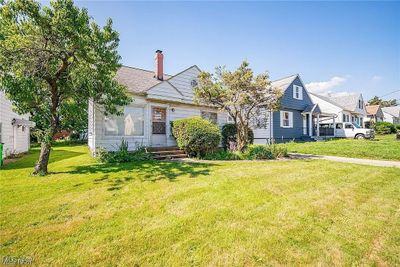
(391, 114)
(348, 108)
(14, 129)
(374, 114)
(298, 117)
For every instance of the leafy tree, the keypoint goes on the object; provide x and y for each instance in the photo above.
(384, 103)
(53, 59)
(242, 95)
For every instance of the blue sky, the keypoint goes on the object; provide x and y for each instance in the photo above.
(335, 46)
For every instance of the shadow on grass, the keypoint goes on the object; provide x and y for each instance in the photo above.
(143, 171)
(30, 159)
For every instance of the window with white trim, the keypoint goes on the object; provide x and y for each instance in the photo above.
(286, 119)
(297, 92)
(131, 123)
(210, 116)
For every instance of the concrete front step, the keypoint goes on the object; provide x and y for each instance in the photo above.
(162, 153)
(167, 152)
(172, 156)
(165, 148)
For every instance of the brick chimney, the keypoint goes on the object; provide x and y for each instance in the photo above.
(159, 65)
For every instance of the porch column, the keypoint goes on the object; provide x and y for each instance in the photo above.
(334, 126)
(318, 124)
(310, 128)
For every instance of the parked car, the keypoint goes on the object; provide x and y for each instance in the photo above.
(353, 130)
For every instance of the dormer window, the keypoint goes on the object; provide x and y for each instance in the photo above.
(297, 92)
(360, 104)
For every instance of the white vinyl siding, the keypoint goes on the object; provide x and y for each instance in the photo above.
(210, 116)
(297, 92)
(286, 119)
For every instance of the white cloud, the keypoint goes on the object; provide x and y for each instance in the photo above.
(376, 78)
(324, 87)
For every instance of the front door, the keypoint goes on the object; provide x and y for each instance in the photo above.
(158, 126)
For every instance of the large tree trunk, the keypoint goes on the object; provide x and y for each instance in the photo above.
(41, 164)
(242, 137)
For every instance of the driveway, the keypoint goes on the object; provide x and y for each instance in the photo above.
(371, 162)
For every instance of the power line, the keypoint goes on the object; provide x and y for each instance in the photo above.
(389, 93)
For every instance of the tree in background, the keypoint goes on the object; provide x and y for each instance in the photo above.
(245, 97)
(384, 103)
(53, 59)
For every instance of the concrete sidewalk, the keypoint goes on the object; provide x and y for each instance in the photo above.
(371, 162)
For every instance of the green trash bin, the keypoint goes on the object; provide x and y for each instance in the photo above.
(1, 154)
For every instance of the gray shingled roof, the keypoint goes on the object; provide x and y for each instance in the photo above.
(349, 101)
(329, 100)
(284, 82)
(394, 111)
(137, 80)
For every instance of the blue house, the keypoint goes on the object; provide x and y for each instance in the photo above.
(297, 119)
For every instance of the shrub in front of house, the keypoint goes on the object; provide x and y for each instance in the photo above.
(222, 154)
(252, 152)
(229, 132)
(122, 154)
(196, 135)
(384, 127)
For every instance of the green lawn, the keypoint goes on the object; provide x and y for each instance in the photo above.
(215, 214)
(384, 147)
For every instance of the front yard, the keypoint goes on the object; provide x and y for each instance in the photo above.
(383, 147)
(217, 214)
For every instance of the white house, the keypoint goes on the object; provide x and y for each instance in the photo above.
(391, 114)
(159, 99)
(348, 108)
(14, 129)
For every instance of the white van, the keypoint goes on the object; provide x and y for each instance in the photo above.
(352, 130)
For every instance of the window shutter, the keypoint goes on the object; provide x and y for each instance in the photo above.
(281, 113)
(291, 119)
(301, 93)
(294, 91)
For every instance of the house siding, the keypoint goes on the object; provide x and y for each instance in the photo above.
(296, 106)
(15, 139)
(282, 134)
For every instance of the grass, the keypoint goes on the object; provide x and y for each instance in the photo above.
(384, 147)
(180, 214)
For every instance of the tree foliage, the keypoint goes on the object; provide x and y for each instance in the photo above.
(244, 96)
(53, 59)
(384, 103)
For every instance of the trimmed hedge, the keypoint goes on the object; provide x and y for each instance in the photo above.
(384, 127)
(229, 132)
(196, 135)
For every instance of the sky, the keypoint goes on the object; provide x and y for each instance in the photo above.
(334, 46)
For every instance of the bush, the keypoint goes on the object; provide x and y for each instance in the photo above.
(384, 127)
(259, 152)
(397, 126)
(252, 152)
(122, 154)
(229, 132)
(223, 155)
(196, 135)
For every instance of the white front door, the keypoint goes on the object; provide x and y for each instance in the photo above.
(158, 126)
(305, 124)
